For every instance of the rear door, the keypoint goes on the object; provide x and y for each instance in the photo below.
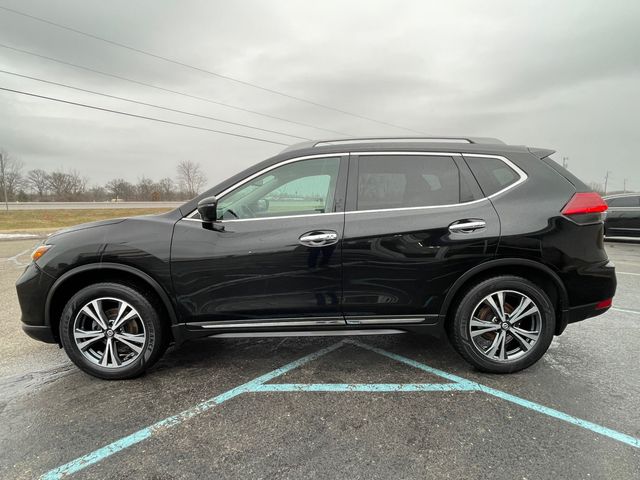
(415, 222)
(273, 258)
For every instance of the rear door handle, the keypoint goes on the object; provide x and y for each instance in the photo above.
(467, 226)
(319, 238)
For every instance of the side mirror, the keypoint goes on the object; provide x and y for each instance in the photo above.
(263, 205)
(208, 209)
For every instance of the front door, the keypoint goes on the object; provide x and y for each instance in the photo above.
(274, 255)
(415, 223)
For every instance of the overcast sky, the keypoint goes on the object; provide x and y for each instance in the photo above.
(562, 75)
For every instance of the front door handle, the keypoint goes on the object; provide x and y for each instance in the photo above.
(467, 226)
(319, 238)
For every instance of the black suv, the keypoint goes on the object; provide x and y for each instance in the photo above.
(497, 245)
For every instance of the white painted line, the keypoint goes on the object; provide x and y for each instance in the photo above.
(14, 236)
(628, 273)
(625, 310)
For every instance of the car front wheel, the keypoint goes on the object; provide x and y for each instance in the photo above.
(112, 331)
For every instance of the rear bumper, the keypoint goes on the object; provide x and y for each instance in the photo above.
(595, 283)
(577, 314)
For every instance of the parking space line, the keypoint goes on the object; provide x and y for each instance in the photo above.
(624, 310)
(594, 427)
(363, 387)
(628, 273)
(259, 385)
(137, 437)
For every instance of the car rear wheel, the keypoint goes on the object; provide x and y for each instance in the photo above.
(112, 331)
(503, 324)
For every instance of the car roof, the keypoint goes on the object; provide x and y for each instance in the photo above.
(456, 144)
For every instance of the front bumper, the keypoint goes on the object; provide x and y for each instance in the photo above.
(33, 287)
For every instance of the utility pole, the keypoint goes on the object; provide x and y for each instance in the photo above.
(625, 186)
(565, 162)
(606, 180)
(3, 159)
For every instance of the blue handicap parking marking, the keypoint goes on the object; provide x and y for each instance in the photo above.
(260, 385)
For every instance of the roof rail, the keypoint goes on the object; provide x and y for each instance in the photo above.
(464, 139)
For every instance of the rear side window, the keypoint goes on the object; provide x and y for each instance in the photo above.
(403, 181)
(492, 174)
(623, 202)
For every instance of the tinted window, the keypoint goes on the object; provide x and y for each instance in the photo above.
(390, 181)
(298, 188)
(492, 174)
(624, 202)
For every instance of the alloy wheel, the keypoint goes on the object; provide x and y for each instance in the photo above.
(505, 325)
(109, 332)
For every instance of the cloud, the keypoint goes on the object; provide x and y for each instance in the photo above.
(562, 75)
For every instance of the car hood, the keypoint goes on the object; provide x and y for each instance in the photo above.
(84, 226)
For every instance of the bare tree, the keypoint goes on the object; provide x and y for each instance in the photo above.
(146, 189)
(97, 194)
(60, 184)
(10, 177)
(78, 184)
(38, 181)
(120, 188)
(167, 189)
(191, 177)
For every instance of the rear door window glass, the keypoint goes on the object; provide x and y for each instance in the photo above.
(403, 181)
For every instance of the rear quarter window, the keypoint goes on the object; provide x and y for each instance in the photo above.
(492, 174)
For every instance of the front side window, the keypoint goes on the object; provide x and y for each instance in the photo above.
(402, 181)
(298, 188)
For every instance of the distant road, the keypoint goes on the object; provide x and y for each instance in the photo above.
(87, 205)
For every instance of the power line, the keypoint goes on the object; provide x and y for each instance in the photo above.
(202, 70)
(169, 122)
(137, 102)
(176, 92)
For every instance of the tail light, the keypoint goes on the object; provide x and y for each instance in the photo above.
(585, 207)
(582, 203)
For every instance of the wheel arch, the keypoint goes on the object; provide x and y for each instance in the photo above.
(70, 282)
(537, 272)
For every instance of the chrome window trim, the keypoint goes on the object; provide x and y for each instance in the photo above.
(513, 166)
(523, 177)
(265, 170)
(509, 163)
(265, 218)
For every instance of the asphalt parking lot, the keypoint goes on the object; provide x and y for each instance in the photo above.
(368, 407)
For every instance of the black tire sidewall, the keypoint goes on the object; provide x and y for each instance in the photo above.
(152, 349)
(460, 336)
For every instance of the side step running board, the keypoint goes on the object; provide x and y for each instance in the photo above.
(312, 333)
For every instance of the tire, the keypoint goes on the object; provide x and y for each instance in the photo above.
(476, 340)
(126, 351)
